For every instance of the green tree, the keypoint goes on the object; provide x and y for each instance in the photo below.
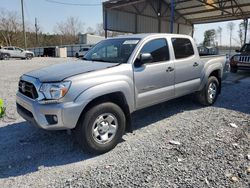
(2, 108)
(209, 37)
(241, 31)
(230, 27)
(219, 32)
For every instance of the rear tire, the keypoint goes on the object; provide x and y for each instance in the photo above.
(208, 95)
(233, 69)
(77, 55)
(101, 128)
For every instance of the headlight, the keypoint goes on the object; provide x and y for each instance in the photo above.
(54, 91)
(236, 58)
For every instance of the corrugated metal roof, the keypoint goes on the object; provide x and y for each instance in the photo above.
(192, 11)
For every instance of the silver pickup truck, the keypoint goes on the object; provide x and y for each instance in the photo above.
(15, 52)
(96, 96)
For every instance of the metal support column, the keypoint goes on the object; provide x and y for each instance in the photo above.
(159, 15)
(246, 27)
(106, 24)
(24, 33)
(172, 17)
(192, 30)
(136, 23)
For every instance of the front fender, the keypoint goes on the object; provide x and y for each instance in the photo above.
(107, 88)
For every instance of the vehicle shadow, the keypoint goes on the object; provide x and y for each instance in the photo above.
(25, 149)
(235, 93)
(147, 116)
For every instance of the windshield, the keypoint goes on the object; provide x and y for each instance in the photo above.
(112, 50)
(246, 48)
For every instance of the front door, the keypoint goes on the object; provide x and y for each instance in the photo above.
(19, 53)
(154, 82)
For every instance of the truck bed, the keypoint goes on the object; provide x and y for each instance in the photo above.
(219, 58)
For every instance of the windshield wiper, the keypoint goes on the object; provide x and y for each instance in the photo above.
(102, 60)
(84, 58)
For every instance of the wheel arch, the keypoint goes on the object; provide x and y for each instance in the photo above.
(214, 69)
(117, 98)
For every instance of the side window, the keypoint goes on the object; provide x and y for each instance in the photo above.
(10, 48)
(18, 49)
(183, 48)
(158, 48)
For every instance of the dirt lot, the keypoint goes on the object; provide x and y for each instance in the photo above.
(212, 151)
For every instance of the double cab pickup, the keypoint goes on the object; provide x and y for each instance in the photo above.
(96, 96)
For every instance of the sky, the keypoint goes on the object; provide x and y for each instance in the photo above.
(48, 14)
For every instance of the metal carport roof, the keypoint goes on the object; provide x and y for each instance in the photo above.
(175, 16)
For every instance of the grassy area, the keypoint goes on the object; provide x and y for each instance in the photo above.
(2, 108)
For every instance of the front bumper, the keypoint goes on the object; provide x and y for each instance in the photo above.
(243, 66)
(240, 65)
(37, 114)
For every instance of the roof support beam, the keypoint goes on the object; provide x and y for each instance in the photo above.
(213, 6)
(120, 4)
(168, 7)
(213, 19)
(213, 10)
(239, 8)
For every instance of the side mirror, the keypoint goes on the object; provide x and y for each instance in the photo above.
(237, 51)
(143, 59)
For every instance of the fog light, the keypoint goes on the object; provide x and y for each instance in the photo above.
(51, 119)
(55, 119)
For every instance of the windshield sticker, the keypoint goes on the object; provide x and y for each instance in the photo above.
(130, 41)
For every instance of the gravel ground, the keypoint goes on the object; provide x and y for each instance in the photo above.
(175, 144)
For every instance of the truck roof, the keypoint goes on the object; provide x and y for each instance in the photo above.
(145, 35)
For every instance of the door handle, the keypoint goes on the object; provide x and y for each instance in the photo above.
(195, 64)
(170, 69)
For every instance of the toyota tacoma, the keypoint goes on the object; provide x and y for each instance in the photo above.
(96, 96)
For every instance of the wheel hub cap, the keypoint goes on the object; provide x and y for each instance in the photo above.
(104, 128)
(212, 90)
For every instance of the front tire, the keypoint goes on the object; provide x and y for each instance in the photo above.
(101, 128)
(208, 95)
(28, 56)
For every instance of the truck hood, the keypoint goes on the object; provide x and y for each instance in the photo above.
(27, 51)
(58, 72)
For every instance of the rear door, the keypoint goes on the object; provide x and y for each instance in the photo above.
(188, 67)
(154, 82)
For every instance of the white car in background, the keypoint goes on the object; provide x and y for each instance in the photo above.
(82, 52)
(15, 52)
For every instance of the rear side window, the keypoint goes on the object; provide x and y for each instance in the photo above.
(183, 48)
(158, 48)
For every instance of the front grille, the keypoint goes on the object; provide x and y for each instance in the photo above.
(244, 59)
(27, 89)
